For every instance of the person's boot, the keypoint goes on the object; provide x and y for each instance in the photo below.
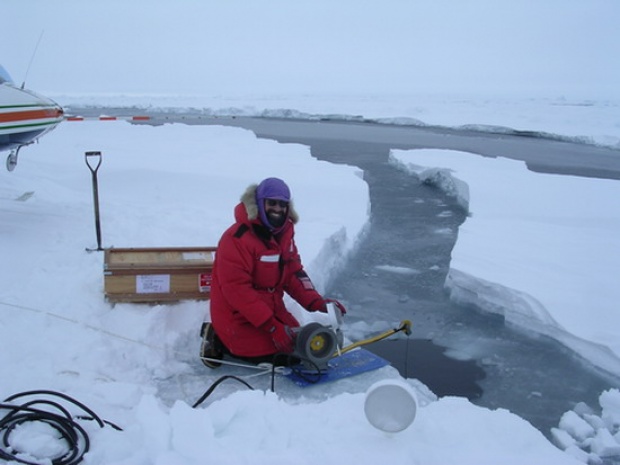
(211, 347)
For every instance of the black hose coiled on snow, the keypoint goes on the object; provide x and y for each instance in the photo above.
(52, 414)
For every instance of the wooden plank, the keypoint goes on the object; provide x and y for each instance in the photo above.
(157, 258)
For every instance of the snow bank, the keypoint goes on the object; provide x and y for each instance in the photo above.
(577, 120)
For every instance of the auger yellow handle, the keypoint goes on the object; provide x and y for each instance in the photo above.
(405, 326)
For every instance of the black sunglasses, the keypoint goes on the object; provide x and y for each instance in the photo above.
(274, 202)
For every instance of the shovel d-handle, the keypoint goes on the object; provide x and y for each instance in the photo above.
(89, 157)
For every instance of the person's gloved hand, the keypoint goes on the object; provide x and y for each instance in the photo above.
(321, 306)
(338, 305)
(281, 335)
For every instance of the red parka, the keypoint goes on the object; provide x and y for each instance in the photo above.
(251, 272)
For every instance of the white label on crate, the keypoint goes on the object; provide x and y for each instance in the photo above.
(153, 283)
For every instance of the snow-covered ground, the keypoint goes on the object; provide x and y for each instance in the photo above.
(136, 365)
(533, 66)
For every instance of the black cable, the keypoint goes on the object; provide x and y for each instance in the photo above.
(407, 359)
(290, 358)
(57, 417)
(216, 384)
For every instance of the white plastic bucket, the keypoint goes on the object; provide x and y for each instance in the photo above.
(390, 405)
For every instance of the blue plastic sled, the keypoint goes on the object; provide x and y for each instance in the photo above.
(348, 364)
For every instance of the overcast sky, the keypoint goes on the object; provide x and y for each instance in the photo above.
(538, 48)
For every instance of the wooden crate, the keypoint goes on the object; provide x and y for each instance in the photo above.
(158, 274)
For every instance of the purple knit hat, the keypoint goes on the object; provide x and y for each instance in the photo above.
(270, 188)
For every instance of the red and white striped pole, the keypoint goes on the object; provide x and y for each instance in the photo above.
(107, 118)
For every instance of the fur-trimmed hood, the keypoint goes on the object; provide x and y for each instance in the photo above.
(248, 199)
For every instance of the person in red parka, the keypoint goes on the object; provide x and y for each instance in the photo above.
(256, 262)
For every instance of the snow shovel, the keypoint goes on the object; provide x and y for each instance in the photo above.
(93, 166)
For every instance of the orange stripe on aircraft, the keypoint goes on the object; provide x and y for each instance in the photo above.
(30, 115)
